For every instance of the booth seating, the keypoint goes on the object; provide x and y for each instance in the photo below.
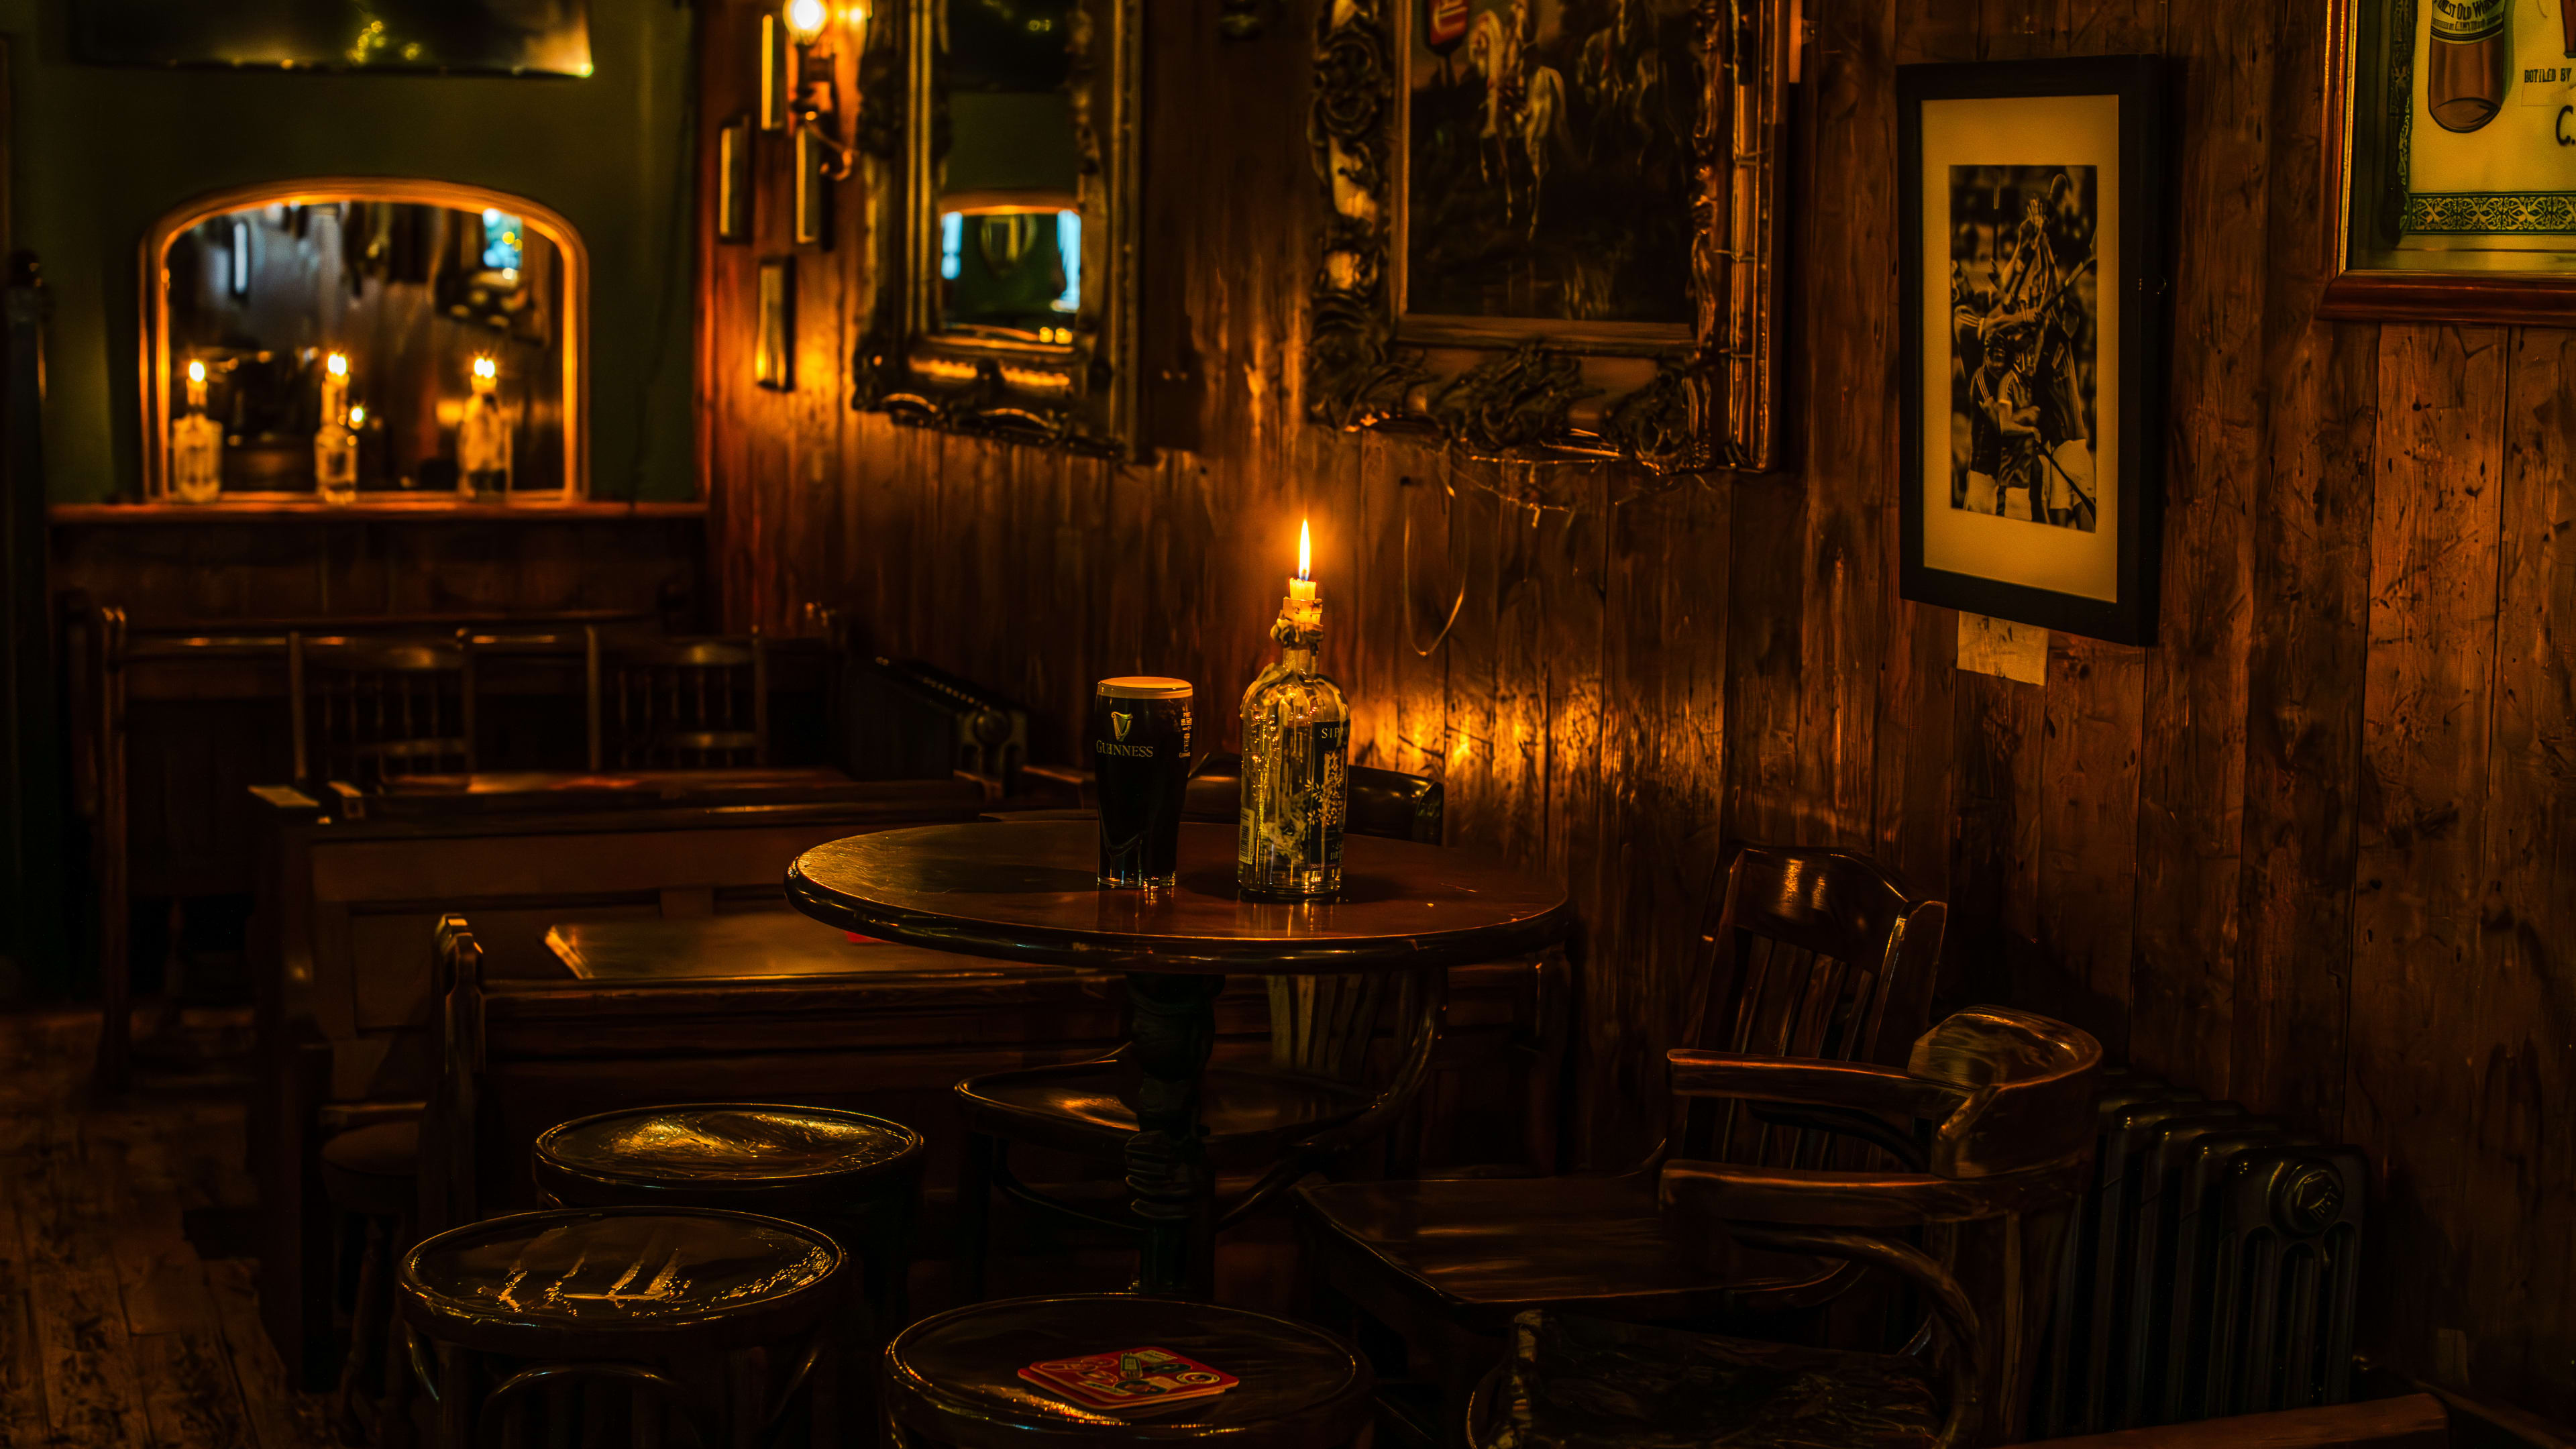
(342, 950)
(564, 1327)
(952, 1380)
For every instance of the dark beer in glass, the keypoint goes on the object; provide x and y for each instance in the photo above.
(1140, 756)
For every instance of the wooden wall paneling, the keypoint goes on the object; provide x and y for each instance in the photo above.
(1525, 580)
(1914, 776)
(1851, 434)
(2191, 781)
(1477, 729)
(1574, 563)
(1765, 580)
(2305, 664)
(2522, 1160)
(2417, 966)
(1663, 786)
(2092, 710)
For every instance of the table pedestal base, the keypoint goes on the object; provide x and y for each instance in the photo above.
(1174, 1031)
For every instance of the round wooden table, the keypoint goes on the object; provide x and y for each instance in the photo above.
(1027, 891)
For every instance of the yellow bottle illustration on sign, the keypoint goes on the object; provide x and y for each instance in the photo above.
(2465, 64)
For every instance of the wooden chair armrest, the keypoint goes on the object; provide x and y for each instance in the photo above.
(1807, 1082)
(1878, 1200)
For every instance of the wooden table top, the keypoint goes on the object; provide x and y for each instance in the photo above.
(735, 947)
(1026, 891)
(514, 791)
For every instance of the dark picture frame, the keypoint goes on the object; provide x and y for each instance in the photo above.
(2035, 492)
(2411, 234)
(734, 181)
(773, 344)
(1679, 378)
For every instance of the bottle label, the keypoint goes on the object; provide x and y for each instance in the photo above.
(1331, 798)
(2466, 22)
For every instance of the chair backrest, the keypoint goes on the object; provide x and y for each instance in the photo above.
(1383, 803)
(1815, 953)
(2032, 1082)
(364, 710)
(679, 704)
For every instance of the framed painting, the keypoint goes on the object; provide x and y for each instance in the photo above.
(2030, 229)
(1554, 225)
(2451, 161)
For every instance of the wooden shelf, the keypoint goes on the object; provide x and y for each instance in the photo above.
(371, 510)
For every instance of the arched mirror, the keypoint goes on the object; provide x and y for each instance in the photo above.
(1006, 289)
(338, 340)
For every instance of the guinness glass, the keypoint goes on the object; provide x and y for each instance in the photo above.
(1140, 753)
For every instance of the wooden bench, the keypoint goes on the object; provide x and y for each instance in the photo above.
(342, 955)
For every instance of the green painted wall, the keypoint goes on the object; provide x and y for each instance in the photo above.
(99, 153)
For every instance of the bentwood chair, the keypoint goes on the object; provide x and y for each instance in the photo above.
(1309, 1105)
(1813, 954)
(678, 704)
(2008, 1098)
(366, 710)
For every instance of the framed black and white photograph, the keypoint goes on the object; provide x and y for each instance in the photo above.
(1555, 226)
(2030, 222)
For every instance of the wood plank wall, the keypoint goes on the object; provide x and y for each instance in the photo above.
(2313, 852)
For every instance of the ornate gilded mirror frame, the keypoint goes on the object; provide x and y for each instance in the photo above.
(1078, 393)
(1668, 395)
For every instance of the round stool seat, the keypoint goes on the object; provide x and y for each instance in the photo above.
(546, 1283)
(374, 1169)
(737, 1154)
(954, 1379)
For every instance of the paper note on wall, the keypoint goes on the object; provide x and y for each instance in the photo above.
(2018, 652)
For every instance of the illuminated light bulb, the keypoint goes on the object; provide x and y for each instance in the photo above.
(196, 372)
(337, 365)
(357, 415)
(805, 19)
(485, 368)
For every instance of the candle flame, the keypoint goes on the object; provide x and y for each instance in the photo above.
(337, 364)
(357, 415)
(485, 367)
(1305, 551)
(196, 372)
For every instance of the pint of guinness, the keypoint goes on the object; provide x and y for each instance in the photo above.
(1140, 753)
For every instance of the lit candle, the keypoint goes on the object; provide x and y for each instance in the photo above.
(1302, 587)
(487, 374)
(335, 389)
(197, 386)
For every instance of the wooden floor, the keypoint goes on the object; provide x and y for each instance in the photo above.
(127, 1314)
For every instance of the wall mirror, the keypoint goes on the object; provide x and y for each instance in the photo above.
(1002, 157)
(330, 340)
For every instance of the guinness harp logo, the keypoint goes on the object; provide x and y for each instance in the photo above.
(1121, 721)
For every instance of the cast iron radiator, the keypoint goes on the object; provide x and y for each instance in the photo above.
(2210, 1271)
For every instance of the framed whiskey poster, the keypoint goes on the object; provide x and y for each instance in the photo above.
(2451, 151)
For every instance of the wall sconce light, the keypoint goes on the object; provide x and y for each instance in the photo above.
(800, 94)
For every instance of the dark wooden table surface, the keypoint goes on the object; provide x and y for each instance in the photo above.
(1027, 891)
(729, 947)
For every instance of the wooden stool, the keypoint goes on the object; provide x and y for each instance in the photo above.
(373, 1174)
(953, 1381)
(852, 1176)
(575, 1321)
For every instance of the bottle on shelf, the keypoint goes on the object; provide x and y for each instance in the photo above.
(196, 446)
(483, 438)
(335, 446)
